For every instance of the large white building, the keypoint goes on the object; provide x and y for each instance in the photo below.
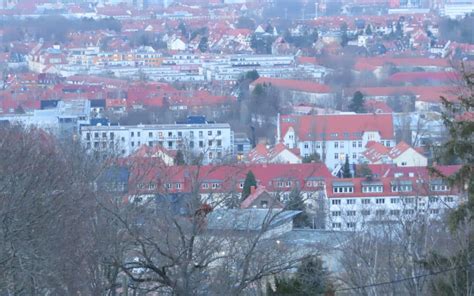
(213, 140)
(335, 136)
(402, 194)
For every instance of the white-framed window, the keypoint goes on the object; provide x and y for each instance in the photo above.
(395, 200)
(449, 199)
(350, 224)
(351, 201)
(365, 201)
(380, 201)
(336, 201)
(336, 155)
(336, 225)
(395, 212)
(365, 212)
(336, 213)
(380, 212)
(351, 213)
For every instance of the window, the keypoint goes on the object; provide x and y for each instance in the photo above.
(354, 144)
(409, 200)
(395, 200)
(306, 146)
(112, 136)
(104, 135)
(351, 225)
(138, 134)
(180, 134)
(380, 212)
(342, 144)
(132, 134)
(336, 201)
(395, 212)
(150, 134)
(351, 201)
(170, 144)
(133, 144)
(168, 185)
(178, 185)
(219, 143)
(336, 144)
(191, 144)
(408, 212)
(318, 144)
(288, 183)
(209, 133)
(88, 136)
(201, 134)
(170, 134)
(336, 225)
(380, 200)
(336, 155)
(241, 185)
(365, 212)
(151, 186)
(351, 213)
(336, 213)
(359, 144)
(96, 135)
(449, 199)
(201, 144)
(205, 186)
(354, 155)
(366, 201)
(219, 133)
(209, 143)
(433, 199)
(434, 211)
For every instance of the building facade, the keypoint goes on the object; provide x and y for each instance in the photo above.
(213, 140)
(335, 137)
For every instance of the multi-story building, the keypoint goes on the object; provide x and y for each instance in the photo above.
(213, 140)
(402, 194)
(335, 137)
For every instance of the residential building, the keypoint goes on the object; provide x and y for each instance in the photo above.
(401, 155)
(401, 194)
(277, 154)
(214, 141)
(335, 136)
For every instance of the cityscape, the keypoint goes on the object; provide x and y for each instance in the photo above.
(237, 147)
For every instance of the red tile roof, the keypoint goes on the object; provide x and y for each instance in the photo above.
(337, 126)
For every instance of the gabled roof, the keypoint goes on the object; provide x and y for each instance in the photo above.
(262, 154)
(398, 150)
(337, 126)
(375, 151)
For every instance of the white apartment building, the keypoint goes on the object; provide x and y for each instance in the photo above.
(213, 140)
(335, 136)
(354, 204)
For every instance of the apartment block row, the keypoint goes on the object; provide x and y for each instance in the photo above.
(213, 140)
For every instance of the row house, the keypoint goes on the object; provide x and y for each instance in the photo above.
(213, 140)
(335, 136)
(402, 194)
(217, 184)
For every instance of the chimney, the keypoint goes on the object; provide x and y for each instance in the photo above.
(252, 189)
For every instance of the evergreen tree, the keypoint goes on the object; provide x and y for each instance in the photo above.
(346, 172)
(357, 103)
(203, 44)
(368, 30)
(179, 158)
(457, 119)
(311, 278)
(248, 183)
(296, 203)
